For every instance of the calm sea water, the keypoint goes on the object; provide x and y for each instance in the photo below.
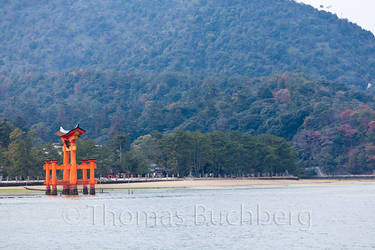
(278, 217)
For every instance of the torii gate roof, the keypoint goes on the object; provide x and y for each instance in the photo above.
(65, 134)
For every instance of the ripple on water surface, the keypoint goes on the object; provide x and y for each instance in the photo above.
(278, 217)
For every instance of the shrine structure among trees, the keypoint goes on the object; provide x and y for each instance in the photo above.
(69, 167)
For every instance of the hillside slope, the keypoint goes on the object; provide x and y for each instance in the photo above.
(207, 37)
(331, 124)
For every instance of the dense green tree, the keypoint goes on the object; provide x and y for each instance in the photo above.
(4, 162)
(121, 144)
(136, 162)
(19, 154)
(5, 130)
(105, 159)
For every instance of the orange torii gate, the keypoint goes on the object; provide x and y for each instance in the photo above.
(70, 180)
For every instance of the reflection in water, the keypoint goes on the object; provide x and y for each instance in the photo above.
(254, 217)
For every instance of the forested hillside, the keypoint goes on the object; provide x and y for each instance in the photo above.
(206, 37)
(187, 69)
(331, 124)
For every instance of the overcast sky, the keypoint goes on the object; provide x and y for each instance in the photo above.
(361, 12)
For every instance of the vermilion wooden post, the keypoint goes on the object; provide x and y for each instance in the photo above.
(54, 179)
(92, 176)
(84, 177)
(47, 181)
(73, 168)
(66, 168)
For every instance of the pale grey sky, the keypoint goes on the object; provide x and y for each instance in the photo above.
(361, 12)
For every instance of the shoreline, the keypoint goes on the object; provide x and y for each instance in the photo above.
(201, 184)
(12, 183)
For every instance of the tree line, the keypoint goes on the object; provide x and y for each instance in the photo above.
(185, 153)
(181, 153)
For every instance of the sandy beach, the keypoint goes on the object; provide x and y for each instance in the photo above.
(217, 183)
(202, 184)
